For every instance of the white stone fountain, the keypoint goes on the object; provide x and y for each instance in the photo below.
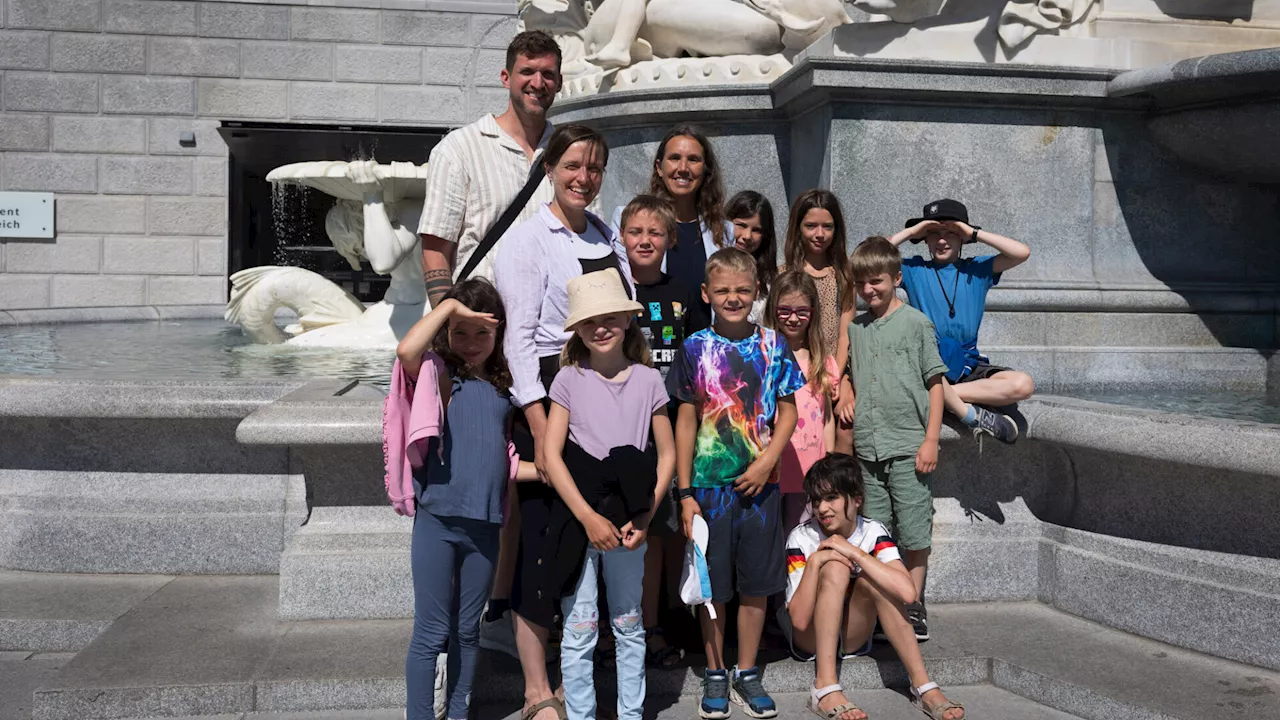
(375, 219)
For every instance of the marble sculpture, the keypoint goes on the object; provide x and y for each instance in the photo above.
(629, 44)
(375, 219)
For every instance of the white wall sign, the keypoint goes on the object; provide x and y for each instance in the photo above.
(26, 215)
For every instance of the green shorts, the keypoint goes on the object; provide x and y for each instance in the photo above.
(901, 499)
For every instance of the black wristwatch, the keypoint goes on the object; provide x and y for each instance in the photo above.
(974, 237)
(684, 493)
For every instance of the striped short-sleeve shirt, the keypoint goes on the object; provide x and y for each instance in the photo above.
(473, 175)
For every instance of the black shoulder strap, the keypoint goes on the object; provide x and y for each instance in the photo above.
(505, 220)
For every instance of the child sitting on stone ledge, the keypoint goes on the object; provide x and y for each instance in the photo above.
(952, 293)
(844, 573)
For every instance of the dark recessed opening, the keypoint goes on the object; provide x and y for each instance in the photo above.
(258, 148)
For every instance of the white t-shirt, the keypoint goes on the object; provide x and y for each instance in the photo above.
(869, 535)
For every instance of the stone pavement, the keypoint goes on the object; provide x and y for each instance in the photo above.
(214, 646)
(20, 674)
(993, 703)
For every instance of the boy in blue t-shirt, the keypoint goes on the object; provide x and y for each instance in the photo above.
(952, 293)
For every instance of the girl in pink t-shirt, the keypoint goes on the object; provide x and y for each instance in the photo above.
(794, 311)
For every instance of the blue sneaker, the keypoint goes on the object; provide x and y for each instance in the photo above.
(748, 691)
(715, 695)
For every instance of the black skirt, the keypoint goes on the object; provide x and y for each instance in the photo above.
(535, 499)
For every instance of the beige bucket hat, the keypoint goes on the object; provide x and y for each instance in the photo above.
(598, 293)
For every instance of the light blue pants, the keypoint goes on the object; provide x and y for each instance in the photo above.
(624, 580)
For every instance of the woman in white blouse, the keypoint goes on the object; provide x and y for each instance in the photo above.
(534, 265)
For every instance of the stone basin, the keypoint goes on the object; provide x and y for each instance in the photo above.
(1219, 112)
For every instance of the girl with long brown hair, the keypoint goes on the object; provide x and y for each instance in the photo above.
(816, 245)
(795, 311)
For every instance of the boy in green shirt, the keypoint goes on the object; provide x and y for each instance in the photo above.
(896, 377)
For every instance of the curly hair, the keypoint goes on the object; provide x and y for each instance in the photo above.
(710, 194)
(481, 296)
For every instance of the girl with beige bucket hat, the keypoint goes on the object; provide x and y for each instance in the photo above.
(605, 400)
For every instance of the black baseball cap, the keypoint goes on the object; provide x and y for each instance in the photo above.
(944, 209)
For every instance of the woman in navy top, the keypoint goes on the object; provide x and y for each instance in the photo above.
(686, 174)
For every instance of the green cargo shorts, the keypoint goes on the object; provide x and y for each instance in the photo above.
(901, 499)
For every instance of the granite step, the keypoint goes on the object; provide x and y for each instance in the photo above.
(352, 563)
(216, 646)
(55, 613)
(348, 563)
(879, 704)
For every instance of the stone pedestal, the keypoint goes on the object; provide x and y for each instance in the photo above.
(1146, 273)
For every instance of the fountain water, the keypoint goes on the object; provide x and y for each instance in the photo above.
(375, 219)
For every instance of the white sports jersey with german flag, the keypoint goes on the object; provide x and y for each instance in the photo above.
(869, 535)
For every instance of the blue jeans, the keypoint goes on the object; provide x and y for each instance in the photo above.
(624, 580)
(453, 561)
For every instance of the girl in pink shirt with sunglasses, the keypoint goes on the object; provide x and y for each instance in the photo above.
(794, 310)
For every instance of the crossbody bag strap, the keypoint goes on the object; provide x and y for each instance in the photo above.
(504, 221)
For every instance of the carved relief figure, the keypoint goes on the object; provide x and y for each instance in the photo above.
(609, 34)
(677, 42)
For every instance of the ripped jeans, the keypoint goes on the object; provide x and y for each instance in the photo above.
(624, 579)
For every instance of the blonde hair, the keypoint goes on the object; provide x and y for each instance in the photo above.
(874, 256)
(661, 209)
(798, 281)
(634, 348)
(732, 260)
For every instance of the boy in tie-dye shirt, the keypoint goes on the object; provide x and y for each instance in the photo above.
(735, 383)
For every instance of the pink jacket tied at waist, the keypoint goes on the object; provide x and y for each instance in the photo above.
(409, 421)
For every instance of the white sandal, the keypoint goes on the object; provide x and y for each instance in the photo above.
(935, 712)
(816, 695)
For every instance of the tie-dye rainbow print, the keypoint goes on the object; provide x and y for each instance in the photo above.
(735, 385)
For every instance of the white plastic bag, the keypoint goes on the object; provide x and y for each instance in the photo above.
(695, 581)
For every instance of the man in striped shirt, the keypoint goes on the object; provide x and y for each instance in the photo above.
(478, 170)
(473, 175)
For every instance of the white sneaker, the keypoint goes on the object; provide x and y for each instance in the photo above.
(499, 635)
(442, 686)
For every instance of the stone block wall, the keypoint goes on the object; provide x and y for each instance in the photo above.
(94, 95)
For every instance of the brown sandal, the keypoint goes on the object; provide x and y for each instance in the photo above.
(935, 712)
(552, 702)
